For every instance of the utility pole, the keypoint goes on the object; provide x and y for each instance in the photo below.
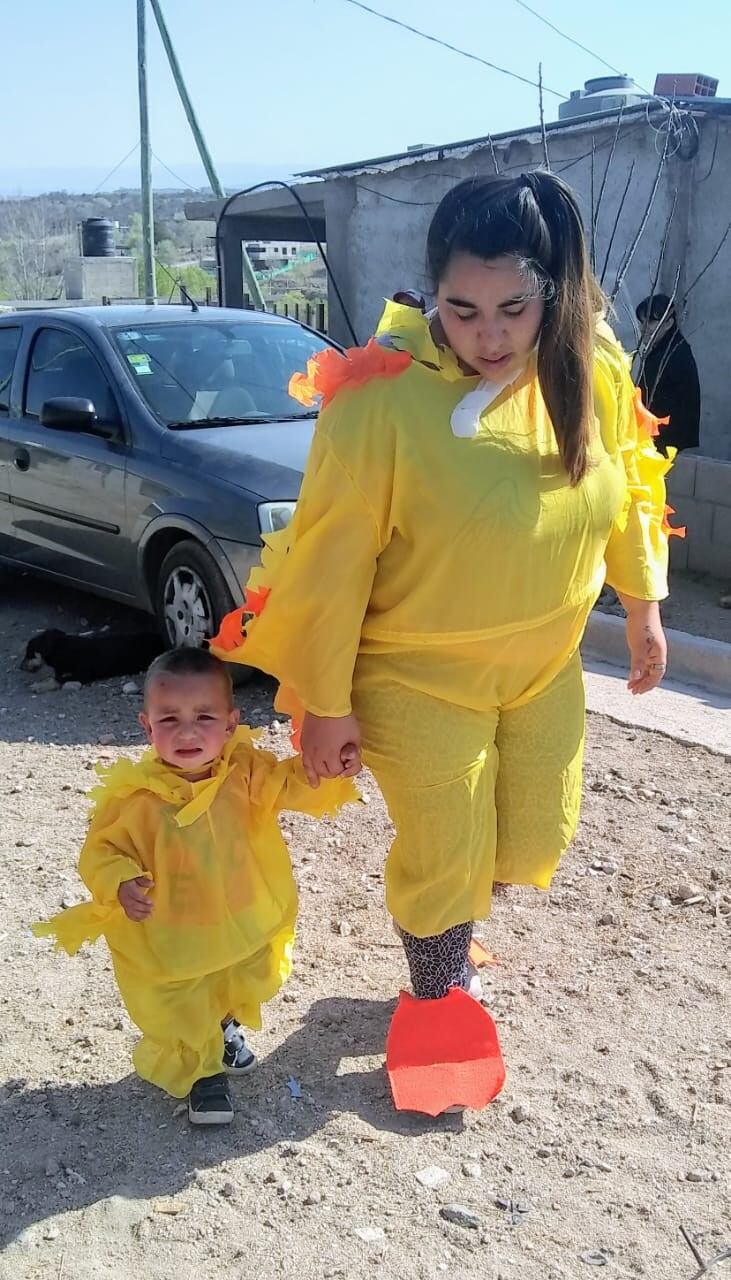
(252, 284)
(148, 226)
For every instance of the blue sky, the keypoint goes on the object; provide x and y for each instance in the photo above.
(289, 84)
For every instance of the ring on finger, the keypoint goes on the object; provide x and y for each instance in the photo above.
(658, 666)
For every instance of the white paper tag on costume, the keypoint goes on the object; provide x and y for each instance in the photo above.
(466, 416)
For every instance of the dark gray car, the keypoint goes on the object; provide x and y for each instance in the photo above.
(144, 450)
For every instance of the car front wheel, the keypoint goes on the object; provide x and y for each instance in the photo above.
(191, 595)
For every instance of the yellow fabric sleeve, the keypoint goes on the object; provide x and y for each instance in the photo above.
(108, 856)
(107, 859)
(309, 632)
(278, 785)
(637, 552)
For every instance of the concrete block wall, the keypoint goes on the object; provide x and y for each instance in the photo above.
(97, 278)
(700, 490)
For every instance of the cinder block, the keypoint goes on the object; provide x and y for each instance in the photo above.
(681, 480)
(696, 516)
(710, 557)
(713, 481)
(721, 531)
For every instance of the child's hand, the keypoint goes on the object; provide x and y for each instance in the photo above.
(133, 898)
(351, 761)
(324, 739)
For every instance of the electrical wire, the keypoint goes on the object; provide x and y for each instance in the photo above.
(444, 44)
(679, 125)
(175, 175)
(382, 195)
(286, 186)
(112, 172)
(571, 40)
(586, 154)
(577, 43)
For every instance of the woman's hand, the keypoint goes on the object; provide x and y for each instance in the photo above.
(330, 747)
(647, 644)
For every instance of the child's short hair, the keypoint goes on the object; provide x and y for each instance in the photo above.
(186, 661)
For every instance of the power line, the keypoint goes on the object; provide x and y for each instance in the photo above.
(577, 43)
(571, 40)
(444, 44)
(112, 172)
(286, 186)
(173, 174)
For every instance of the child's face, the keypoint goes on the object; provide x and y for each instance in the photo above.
(188, 719)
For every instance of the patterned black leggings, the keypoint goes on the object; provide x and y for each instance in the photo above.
(438, 963)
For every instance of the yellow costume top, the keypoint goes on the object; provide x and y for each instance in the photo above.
(223, 884)
(410, 540)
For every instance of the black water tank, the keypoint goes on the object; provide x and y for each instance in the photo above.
(97, 238)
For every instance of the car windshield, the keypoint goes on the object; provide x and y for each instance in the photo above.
(206, 373)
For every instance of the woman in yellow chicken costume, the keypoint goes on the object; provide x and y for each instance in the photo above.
(474, 480)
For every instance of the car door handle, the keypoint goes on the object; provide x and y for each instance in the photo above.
(21, 460)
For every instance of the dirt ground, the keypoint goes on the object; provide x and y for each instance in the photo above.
(611, 998)
(693, 605)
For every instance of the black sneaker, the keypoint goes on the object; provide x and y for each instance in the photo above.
(210, 1101)
(238, 1060)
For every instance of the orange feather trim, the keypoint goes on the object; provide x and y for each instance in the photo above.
(645, 419)
(330, 370)
(668, 529)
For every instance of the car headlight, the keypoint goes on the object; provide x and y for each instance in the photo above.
(274, 516)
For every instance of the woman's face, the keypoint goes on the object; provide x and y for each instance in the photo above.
(488, 318)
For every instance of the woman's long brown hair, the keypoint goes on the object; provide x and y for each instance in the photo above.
(535, 218)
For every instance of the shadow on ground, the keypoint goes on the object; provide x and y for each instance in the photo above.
(69, 1146)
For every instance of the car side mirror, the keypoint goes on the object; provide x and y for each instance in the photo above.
(75, 413)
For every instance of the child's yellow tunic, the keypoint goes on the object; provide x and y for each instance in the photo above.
(220, 938)
(439, 587)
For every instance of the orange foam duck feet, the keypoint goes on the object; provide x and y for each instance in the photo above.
(443, 1054)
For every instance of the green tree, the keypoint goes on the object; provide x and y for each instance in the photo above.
(134, 239)
(166, 251)
(193, 278)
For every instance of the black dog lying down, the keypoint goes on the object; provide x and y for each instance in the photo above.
(89, 658)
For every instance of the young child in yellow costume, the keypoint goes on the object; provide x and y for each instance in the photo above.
(473, 481)
(191, 881)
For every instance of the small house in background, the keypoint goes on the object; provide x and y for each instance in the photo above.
(653, 175)
(267, 256)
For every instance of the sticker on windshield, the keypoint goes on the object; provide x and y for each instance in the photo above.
(130, 335)
(140, 363)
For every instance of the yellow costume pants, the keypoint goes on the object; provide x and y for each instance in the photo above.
(476, 794)
(182, 1038)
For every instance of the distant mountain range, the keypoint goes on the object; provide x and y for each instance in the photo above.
(35, 180)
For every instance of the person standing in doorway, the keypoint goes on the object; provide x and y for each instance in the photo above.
(669, 375)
